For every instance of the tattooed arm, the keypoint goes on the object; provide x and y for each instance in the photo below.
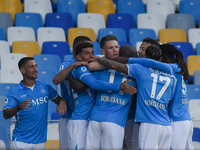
(113, 65)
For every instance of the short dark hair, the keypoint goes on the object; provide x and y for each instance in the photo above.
(23, 61)
(153, 52)
(107, 38)
(128, 51)
(151, 41)
(80, 39)
(81, 46)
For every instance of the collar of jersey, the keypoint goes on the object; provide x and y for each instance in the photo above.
(23, 86)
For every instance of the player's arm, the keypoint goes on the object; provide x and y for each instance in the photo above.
(62, 105)
(62, 75)
(77, 85)
(110, 64)
(10, 112)
(151, 63)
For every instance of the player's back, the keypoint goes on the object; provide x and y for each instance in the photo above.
(112, 106)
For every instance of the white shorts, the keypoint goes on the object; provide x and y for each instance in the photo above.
(76, 134)
(16, 145)
(154, 136)
(182, 132)
(131, 135)
(62, 133)
(104, 135)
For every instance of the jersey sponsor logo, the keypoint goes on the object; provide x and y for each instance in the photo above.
(40, 101)
(155, 104)
(43, 91)
(184, 101)
(83, 68)
(23, 95)
(112, 99)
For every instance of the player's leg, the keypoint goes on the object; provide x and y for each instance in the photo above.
(62, 133)
(131, 135)
(180, 134)
(77, 131)
(165, 137)
(16, 145)
(40, 146)
(189, 144)
(112, 137)
(93, 135)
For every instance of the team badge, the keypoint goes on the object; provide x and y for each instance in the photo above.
(83, 69)
(6, 100)
(43, 91)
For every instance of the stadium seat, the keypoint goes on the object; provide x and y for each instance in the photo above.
(4, 48)
(172, 35)
(33, 20)
(10, 60)
(52, 131)
(30, 48)
(4, 136)
(118, 32)
(5, 87)
(2, 34)
(163, 7)
(123, 43)
(68, 57)
(198, 48)
(74, 32)
(47, 74)
(193, 91)
(91, 20)
(180, 21)
(50, 34)
(151, 21)
(190, 7)
(196, 138)
(47, 61)
(5, 22)
(10, 75)
(185, 47)
(197, 77)
(56, 48)
(121, 20)
(62, 20)
(138, 34)
(20, 34)
(37, 6)
(11, 6)
(133, 7)
(55, 116)
(52, 144)
(138, 44)
(97, 48)
(73, 7)
(193, 64)
(104, 7)
(194, 36)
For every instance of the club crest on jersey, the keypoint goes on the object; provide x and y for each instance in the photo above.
(6, 100)
(43, 91)
(83, 69)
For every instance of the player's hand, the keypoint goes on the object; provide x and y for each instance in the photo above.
(25, 104)
(124, 87)
(62, 107)
(80, 63)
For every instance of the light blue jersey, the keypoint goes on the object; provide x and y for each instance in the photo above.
(112, 106)
(66, 89)
(84, 101)
(178, 109)
(155, 89)
(31, 125)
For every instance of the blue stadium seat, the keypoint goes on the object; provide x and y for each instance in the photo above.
(123, 43)
(47, 61)
(51, 108)
(198, 48)
(190, 7)
(97, 48)
(5, 131)
(118, 32)
(56, 48)
(55, 116)
(5, 87)
(68, 57)
(133, 7)
(73, 7)
(137, 35)
(121, 20)
(193, 91)
(5, 22)
(33, 20)
(62, 20)
(197, 77)
(185, 47)
(196, 138)
(2, 34)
